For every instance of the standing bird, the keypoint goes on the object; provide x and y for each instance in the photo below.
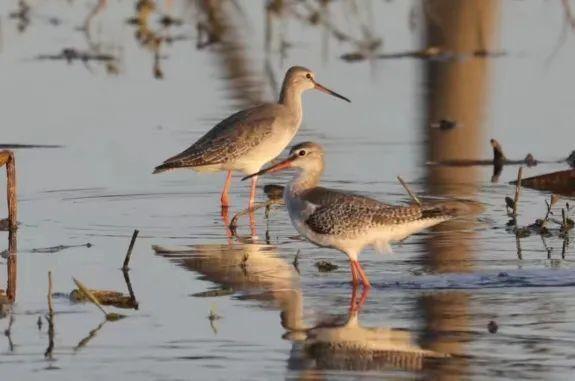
(345, 221)
(250, 138)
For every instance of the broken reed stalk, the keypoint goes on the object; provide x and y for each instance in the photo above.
(517, 193)
(91, 297)
(411, 194)
(130, 248)
(50, 318)
(11, 264)
(234, 223)
(7, 158)
(50, 305)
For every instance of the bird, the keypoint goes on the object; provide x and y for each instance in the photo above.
(250, 138)
(346, 221)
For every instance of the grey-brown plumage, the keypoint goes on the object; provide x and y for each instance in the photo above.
(228, 140)
(350, 218)
(346, 221)
(248, 139)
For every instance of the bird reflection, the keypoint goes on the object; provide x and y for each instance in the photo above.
(343, 343)
(257, 272)
(254, 270)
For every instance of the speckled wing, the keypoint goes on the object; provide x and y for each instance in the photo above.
(346, 219)
(325, 196)
(228, 140)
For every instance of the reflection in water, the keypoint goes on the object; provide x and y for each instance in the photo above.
(256, 272)
(223, 23)
(253, 270)
(458, 91)
(9, 296)
(343, 343)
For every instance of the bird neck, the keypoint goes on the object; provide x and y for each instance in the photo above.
(290, 97)
(306, 179)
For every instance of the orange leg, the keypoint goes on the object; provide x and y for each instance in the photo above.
(354, 305)
(253, 192)
(354, 275)
(363, 278)
(253, 230)
(224, 200)
(353, 302)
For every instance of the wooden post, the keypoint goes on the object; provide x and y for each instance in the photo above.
(11, 265)
(7, 158)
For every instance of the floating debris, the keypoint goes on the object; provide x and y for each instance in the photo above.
(492, 327)
(112, 316)
(212, 317)
(561, 182)
(325, 266)
(71, 54)
(274, 191)
(21, 146)
(498, 161)
(444, 124)
(104, 297)
(55, 249)
(224, 291)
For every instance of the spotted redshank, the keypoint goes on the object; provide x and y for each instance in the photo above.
(345, 221)
(250, 138)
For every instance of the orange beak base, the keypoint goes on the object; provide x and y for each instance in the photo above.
(285, 164)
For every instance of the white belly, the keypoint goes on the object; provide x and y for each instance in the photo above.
(263, 153)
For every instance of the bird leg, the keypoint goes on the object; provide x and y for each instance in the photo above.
(224, 200)
(253, 192)
(354, 305)
(362, 277)
(354, 275)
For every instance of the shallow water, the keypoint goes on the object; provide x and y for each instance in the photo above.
(427, 315)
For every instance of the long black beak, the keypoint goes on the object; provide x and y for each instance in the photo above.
(328, 91)
(285, 164)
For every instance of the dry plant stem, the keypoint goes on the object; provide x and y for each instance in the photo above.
(411, 194)
(130, 290)
(11, 264)
(517, 193)
(234, 223)
(50, 305)
(90, 296)
(7, 158)
(130, 248)
(50, 318)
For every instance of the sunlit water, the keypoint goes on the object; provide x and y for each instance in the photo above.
(98, 187)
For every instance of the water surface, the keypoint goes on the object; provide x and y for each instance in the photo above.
(433, 297)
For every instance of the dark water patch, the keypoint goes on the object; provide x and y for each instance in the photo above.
(22, 146)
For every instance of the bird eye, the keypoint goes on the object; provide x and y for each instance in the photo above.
(301, 153)
(308, 76)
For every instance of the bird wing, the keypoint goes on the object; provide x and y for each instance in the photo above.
(324, 196)
(351, 218)
(229, 139)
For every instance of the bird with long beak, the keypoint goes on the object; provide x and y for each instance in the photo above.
(250, 138)
(345, 221)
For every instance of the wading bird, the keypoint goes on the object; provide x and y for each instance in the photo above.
(345, 221)
(250, 138)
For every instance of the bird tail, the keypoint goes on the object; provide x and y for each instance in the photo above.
(164, 167)
(451, 209)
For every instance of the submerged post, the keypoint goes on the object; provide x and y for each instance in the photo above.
(7, 158)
